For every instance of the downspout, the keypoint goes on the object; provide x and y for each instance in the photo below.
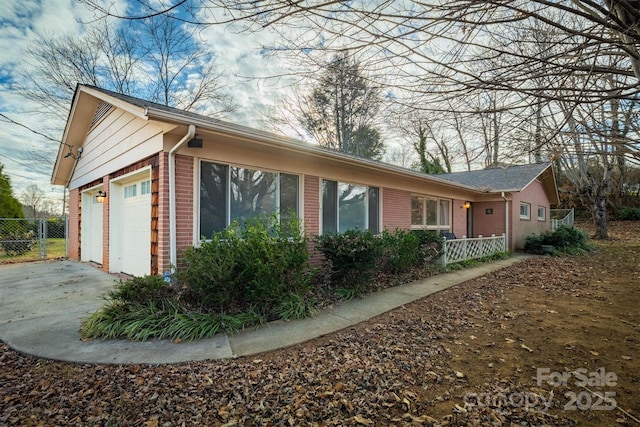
(173, 257)
(506, 219)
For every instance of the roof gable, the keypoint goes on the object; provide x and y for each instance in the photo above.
(508, 179)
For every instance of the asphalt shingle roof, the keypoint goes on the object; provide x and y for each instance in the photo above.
(509, 178)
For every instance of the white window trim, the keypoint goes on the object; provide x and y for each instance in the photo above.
(437, 226)
(528, 206)
(544, 213)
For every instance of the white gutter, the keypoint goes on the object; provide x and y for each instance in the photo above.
(506, 219)
(173, 257)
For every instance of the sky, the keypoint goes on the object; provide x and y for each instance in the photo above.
(238, 56)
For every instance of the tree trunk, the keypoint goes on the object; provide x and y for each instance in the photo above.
(599, 213)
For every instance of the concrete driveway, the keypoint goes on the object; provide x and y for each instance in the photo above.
(42, 305)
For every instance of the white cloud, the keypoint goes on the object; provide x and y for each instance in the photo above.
(238, 55)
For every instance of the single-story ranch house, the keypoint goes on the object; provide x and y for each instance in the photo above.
(147, 181)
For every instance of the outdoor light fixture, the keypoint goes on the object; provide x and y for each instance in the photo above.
(101, 196)
(195, 142)
(466, 205)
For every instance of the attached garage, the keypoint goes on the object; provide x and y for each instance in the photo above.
(92, 227)
(130, 224)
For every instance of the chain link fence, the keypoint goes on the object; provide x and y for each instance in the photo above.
(30, 239)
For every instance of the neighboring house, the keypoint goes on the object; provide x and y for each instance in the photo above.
(170, 177)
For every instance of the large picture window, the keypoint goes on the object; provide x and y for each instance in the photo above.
(349, 207)
(229, 193)
(430, 213)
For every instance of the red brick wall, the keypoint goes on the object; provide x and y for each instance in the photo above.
(458, 218)
(184, 203)
(311, 214)
(487, 224)
(105, 225)
(163, 213)
(396, 209)
(73, 232)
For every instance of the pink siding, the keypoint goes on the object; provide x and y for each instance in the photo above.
(74, 224)
(396, 209)
(458, 218)
(521, 228)
(184, 203)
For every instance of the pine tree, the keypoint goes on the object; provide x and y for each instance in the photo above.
(9, 206)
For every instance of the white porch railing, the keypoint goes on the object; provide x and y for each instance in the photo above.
(471, 248)
(561, 217)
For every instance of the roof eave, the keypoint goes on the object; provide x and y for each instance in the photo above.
(219, 126)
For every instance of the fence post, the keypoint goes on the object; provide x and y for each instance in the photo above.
(42, 238)
(443, 259)
(464, 247)
(493, 244)
(66, 235)
(504, 242)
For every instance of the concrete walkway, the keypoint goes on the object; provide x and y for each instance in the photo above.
(42, 305)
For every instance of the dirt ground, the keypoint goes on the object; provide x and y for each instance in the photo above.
(551, 341)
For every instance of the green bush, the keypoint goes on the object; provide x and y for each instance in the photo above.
(142, 290)
(254, 264)
(629, 214)
(401, 251)
(565, 239)
(430, 243)
(351, 257)
(17, 242)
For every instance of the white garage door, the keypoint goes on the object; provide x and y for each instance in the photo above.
(131, 232)
(92, 228)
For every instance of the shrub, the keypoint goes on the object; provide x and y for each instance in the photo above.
(430, 243)
(351, 256)
(253, 264)
(141, 290)
(17, 242)
(401, 251)
(565, 238)
(629, 214)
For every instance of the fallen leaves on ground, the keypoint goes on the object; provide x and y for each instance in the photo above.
(461, 357)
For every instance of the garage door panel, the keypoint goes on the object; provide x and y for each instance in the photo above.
(134, 227)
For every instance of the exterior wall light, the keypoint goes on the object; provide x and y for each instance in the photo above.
(466, 205)
(101, 196)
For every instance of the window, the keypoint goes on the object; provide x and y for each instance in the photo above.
(525, 211)
(542, 213)
(431, 213)
(145, 187)
(349, 207)
(130, 191)
(229, 193)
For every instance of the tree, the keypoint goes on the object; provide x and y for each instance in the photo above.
(545, 64)
(340, 111)
(156, 59)
(33, 198)
(9, 205)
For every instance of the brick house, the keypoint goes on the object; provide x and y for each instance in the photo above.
(147, 181)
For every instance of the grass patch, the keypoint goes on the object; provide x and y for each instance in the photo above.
(56, 248)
